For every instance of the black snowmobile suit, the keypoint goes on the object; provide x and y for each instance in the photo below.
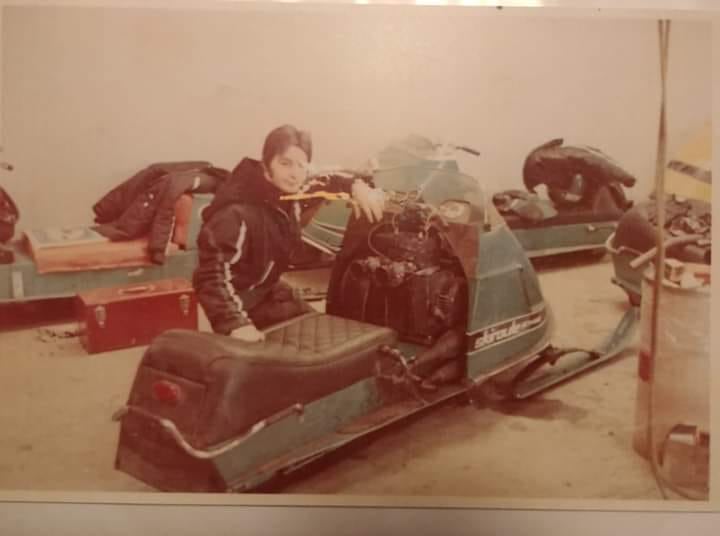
(246, 242)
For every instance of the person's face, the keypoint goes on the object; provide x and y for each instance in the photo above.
(288, 170)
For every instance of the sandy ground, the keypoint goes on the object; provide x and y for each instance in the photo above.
(572, 442)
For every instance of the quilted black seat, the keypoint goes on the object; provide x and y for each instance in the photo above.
(301, 360)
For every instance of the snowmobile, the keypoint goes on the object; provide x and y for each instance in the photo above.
(633, 245)
(585, 198)
(436, 302)
(58, 262)
(688, 220)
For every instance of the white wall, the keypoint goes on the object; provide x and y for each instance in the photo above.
(93, 94)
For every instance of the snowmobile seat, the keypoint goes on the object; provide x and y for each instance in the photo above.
(301, 360)
(563, 218)
(603, 208)
(81, 248)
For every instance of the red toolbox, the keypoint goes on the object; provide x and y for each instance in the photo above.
(133, 315)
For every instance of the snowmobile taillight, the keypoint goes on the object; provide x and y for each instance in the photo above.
(166, 391)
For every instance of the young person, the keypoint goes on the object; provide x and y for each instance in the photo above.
(249, 233)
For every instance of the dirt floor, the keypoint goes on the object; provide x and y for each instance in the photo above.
(572, 442)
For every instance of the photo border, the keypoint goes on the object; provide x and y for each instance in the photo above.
(37, 503)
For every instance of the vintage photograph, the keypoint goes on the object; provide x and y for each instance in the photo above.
(351, 250)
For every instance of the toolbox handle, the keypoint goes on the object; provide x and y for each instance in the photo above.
(137, 290)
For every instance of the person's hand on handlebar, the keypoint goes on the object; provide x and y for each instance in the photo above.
(369, 201)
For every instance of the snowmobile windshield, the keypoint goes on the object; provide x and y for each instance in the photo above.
(417, 151)
(457, 197)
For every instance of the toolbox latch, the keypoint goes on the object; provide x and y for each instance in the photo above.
(100, 316)
(185, 304)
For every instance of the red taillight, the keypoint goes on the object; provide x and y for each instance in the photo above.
(167, 392)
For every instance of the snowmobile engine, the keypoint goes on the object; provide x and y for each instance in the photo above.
(408, 282)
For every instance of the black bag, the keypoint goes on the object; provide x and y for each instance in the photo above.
(9, 216)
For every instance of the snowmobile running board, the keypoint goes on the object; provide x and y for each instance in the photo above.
(573, 361)
(366, 425)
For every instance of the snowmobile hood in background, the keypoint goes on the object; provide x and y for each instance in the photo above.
(555, 165)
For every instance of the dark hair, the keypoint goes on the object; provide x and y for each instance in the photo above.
(281, 138)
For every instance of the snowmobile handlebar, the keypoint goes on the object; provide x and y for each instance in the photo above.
(675, 241)
(470, 150)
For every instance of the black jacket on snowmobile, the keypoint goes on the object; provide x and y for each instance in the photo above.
(246, 241)
(558, 165)
(145, 203)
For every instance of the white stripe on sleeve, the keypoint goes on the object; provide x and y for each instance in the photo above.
(228, 265)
